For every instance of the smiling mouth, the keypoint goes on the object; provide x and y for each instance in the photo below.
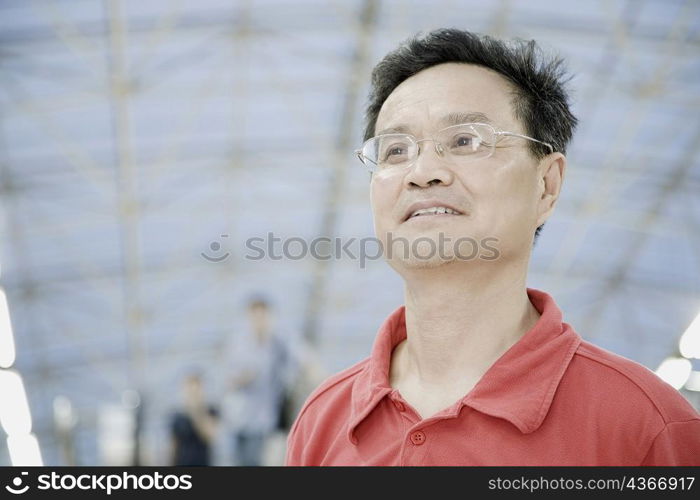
(433, 212)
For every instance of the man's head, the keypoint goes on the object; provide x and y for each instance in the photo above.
(451, 76)
(259, 316)
(192, 387)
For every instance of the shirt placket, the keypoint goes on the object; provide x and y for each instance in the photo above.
(419, 434)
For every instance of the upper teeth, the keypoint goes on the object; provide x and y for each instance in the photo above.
(434, 210)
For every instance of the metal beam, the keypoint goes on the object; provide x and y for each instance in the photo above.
(128, 209)
(636, 243)
(605, 185)
(356, 68)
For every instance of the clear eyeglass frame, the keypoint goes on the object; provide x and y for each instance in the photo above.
(486, 133)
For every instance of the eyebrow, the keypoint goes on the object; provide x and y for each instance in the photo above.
(456, 118)
(468, 117)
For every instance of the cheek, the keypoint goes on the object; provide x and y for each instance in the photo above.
(511, 194)
(382, 197)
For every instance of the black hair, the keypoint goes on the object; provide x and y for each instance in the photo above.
(540, 100)
(193, 375)
(258, 300)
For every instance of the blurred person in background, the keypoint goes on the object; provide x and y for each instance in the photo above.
(466, 137)
(262, 367)
(194, 427)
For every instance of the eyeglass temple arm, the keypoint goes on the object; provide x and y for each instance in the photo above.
(362, 157)
(513, 134)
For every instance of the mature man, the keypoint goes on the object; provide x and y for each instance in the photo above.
(466, 138)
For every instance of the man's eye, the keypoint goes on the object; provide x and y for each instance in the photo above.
(394, 152)
(464, 141)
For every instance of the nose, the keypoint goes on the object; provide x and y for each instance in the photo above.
(429, 167)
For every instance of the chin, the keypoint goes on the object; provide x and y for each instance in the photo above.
(409, 248)
(420, 264)
(420, 254)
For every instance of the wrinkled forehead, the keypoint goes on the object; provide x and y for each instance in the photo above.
(447, 94)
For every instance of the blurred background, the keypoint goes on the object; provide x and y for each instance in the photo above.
(142, 143)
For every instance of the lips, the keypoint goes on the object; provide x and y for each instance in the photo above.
(430, 208)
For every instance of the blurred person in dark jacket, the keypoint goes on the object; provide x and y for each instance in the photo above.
(194, 426)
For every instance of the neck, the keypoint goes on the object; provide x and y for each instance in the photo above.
(460, 320)
(261, 334)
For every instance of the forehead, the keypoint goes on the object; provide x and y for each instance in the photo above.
(427, 98)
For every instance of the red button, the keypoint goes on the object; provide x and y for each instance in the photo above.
(399, 405)
(418, 438)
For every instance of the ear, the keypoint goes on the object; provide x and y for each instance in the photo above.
(551, 176)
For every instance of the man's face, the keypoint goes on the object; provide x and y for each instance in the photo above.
(496, 197)
(259, 319)
(192, 389)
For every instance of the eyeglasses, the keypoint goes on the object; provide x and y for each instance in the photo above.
(459, 144)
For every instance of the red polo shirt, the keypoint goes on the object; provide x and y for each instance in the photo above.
(551, 399)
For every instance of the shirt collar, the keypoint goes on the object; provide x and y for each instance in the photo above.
(518, 387)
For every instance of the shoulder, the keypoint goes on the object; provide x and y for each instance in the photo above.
(334, 392)
(323, 417)
(629, 384)
(177, 420)
(339, 384)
